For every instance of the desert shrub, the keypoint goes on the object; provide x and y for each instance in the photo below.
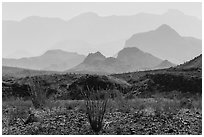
(38, 92)
(95, 108)
(15, 110)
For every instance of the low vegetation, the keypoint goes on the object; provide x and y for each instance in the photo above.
(132, 103)
(133, 116)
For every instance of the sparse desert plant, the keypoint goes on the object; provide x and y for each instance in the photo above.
(38, 92)
(95, 109)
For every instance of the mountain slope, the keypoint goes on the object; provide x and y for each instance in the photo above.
(98, 63)
(164, 64)
(55, 60)
(195, 63)
(166, 43)
(137, 59)
(128, 59)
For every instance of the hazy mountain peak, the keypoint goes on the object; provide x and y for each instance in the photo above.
(164, 42)
(87, 15)
(165, 64)
(55, 51)
(97, 54)
(137, 59)
(166, 30)
(92, 57)
(39, 19)
(57, 60)
(130, 50)
(164, 26)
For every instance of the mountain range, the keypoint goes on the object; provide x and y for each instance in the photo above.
(128, 59)
(36, 35)
(98, 63)
(164, 64)
(55, 60)
(166, 43)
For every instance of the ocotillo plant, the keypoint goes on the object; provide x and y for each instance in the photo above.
(95, 108)
(38, 92)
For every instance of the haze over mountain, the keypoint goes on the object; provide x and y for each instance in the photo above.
(19, 54)
(38, 34)
(166, 43)
(55, 60)
(164, 64)
(21, 72)
(136, 59)
(128, 59)
(98, 63)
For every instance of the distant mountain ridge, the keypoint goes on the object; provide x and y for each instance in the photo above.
(136, 59)
(128, 59)
(53, 60)
(163, 41)
(164, 64)
(98, 63)
(37, 34)
(166, 43)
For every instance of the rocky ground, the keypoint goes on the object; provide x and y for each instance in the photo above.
(74, 122)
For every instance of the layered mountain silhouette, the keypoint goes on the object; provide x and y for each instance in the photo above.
(36, 34)
(165, 64)
(55, 60)
(98, 63)
(136, 59)
(166, 43)
(143, 51)
(128, 59)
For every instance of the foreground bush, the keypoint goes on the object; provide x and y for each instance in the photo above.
(95, 109)
(38, 92)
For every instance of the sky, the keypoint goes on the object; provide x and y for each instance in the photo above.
(20, 10)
